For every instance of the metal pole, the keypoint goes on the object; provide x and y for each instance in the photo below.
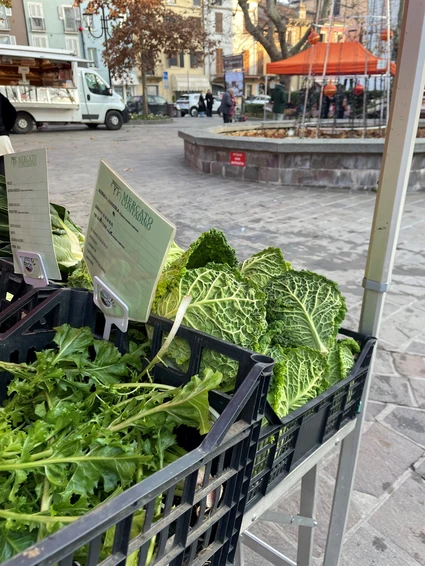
(388, 73)
(264, 110)
(396, 164)
(105, 32)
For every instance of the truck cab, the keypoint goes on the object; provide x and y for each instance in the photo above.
(54, 86)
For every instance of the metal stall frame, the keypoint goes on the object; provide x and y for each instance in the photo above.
(392, 188)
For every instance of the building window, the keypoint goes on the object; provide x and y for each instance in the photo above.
(216, 2)
(337, 8)
(40, 41)
(71, 18)
(4, 20)
(219, 22)
(197, 3)
(219, 61)
(248, 90)
(73, 45)
(92, 56)
(171, 1)
(89, 23)
(290, 37)
(35, 10)
(181, 59)
(196, 60)
(246, 62)
(172, 60)
(7, 40)
(153, 90)
(260, 62)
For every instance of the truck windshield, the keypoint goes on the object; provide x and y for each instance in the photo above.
(96, 85)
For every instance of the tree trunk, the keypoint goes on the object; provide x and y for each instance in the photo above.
(397, 31)
(145, 109)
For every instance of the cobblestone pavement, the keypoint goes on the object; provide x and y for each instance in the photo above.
(320, 230)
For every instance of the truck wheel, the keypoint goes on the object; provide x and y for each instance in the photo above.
(114, 120)
(24, 123)
(92, 126)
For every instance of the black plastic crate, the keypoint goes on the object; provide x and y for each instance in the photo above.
(203, 525)
(12, 285)
(285, 443)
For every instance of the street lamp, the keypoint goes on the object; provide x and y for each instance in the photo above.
(104, 34)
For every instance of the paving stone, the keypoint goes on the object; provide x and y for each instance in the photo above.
(384, 455)
(408, 365)
(409, 422)
(373, 409)
(419, 467)
(383, 362)
(390, 389)
(368, 547)
(416, 347)
(418, 387)
(275, 536)
(401, 518)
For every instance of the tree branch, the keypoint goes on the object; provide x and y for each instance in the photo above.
(298, 46)
(256, 32)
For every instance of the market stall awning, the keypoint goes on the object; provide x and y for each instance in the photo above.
(349, 58)
(188, 83)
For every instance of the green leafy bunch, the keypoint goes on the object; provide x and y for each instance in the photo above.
(264, 305)
(79, 426)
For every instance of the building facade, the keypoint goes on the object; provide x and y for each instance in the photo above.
(13, 30)
(53, 24)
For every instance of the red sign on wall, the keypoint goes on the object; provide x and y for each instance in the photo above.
(238, 158)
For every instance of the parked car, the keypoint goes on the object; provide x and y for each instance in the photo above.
(188, 104)
(156, 104)
(260, 99)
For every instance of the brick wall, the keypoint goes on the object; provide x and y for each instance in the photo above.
(358, 171)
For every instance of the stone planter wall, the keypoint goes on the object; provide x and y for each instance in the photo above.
(333, 164)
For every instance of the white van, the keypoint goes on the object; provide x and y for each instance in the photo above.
(55, 87)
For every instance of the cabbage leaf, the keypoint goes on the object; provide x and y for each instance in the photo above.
(309, 308)
(261, 267)
(300, 374)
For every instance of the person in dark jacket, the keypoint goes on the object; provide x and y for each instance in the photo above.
(279, 101)
(210, 101)
(7, 121)
(226, 105)
(201, 106)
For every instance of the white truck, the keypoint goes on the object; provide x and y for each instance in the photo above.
(54, 86)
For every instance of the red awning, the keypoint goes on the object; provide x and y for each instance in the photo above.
(349, 58)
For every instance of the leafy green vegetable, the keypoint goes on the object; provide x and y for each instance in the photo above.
(341, 359)
(210, 247)
(308, 307)
(223, 305)
(80, 277)
(300, 374)
(79, 427)
(263, 266)
(174, 253)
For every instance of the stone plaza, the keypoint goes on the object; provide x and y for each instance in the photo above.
(317, 229)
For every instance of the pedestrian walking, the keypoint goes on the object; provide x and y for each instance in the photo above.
(7, 121)
(233, 107)
(201, 106)
(210, 102)
(279, 101)
(226, 105)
